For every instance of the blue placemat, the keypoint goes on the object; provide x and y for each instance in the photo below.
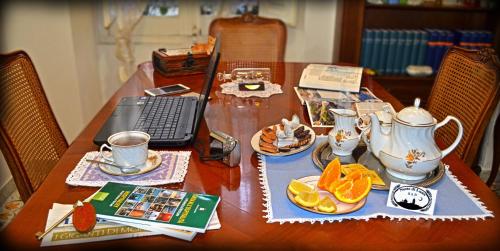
(454, 201)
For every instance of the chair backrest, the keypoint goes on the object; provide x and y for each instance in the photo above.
(467, 87)
(250, 38)
(30, 138)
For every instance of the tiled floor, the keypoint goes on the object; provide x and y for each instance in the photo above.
(9, 209)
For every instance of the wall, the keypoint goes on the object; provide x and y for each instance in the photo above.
(60, 40)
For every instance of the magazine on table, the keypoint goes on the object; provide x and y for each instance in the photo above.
(331, 77)
(65, 233)
(307, 94)
(364, 108)
(150, 207)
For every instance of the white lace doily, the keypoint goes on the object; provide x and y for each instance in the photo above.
(269, 90)
(173, 169)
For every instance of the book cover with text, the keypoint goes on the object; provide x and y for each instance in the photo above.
(155, 206)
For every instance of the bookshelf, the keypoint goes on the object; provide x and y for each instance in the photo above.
(359, 15)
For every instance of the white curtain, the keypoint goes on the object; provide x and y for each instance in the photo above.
(123, 16)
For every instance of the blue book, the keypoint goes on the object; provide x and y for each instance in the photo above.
(399, 52)
(367, 44)
(414, 47)
(391, 52)
(457, 37)
(482, 38)
(489, 39)
(439, 48)
(406, 50)
(446, 41)
(450, 37)
(474, 39)
(432, 37)
(465, 39)
(384, 46)
(377, 39)
(422, 47)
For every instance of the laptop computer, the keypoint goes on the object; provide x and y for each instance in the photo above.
(170, 121)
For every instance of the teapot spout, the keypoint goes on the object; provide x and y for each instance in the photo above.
(378, 136)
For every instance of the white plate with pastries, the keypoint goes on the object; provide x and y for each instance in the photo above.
(282, 147)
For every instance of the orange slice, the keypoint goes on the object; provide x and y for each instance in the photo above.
(376, 180)
(355, 192)
(327, 205)
(308, 199)
(337, 183)
(346, 169)
(354, 175)
(331, 173)
(295, 187)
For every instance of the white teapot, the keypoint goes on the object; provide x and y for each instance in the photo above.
(408, 149)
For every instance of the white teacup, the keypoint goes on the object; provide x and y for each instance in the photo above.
(128, 148)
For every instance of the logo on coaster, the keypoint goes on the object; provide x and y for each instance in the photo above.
(412, 198)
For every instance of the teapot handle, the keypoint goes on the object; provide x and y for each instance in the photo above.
(361, 126)
(459, 136)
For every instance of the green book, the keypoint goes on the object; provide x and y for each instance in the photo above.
(155, 207)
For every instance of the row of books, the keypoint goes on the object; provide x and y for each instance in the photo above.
(438, 3)
(389, 51)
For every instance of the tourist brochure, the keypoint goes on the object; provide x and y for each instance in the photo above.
(65, 233)
(331, 77)
(307, 94)
(365, 108)
(319, 103)
(155, 207)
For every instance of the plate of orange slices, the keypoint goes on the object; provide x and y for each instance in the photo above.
(330, 193)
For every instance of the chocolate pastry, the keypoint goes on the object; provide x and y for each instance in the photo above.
(302, 134)
(298, 131)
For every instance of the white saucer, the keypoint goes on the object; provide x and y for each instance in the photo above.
(154, 161)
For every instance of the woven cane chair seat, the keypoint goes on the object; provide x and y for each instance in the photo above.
(30, 138)
(467, 87)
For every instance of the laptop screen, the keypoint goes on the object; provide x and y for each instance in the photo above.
(207, 86)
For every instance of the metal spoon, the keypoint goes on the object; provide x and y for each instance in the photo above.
(123, 169)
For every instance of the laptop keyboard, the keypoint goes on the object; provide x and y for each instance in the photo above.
(160, 116)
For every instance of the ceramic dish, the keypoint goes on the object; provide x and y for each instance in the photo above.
(342, 208)
(322, 155)
(154, 161)
(256, 138)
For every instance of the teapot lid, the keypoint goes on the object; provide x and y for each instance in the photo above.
(414, 115)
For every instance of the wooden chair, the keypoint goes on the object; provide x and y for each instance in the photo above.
(250, 38)
(467, 87)
(30, 138)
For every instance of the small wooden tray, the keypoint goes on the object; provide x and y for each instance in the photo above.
(322, 155)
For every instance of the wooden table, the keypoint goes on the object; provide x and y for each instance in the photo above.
(241, 208)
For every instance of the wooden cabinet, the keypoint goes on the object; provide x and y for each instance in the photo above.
(359, 15)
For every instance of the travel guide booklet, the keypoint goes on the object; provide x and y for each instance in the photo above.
(331, 77)
(307, 94)
(155, 207)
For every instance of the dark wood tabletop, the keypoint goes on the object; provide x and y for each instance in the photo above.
(241, 208)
